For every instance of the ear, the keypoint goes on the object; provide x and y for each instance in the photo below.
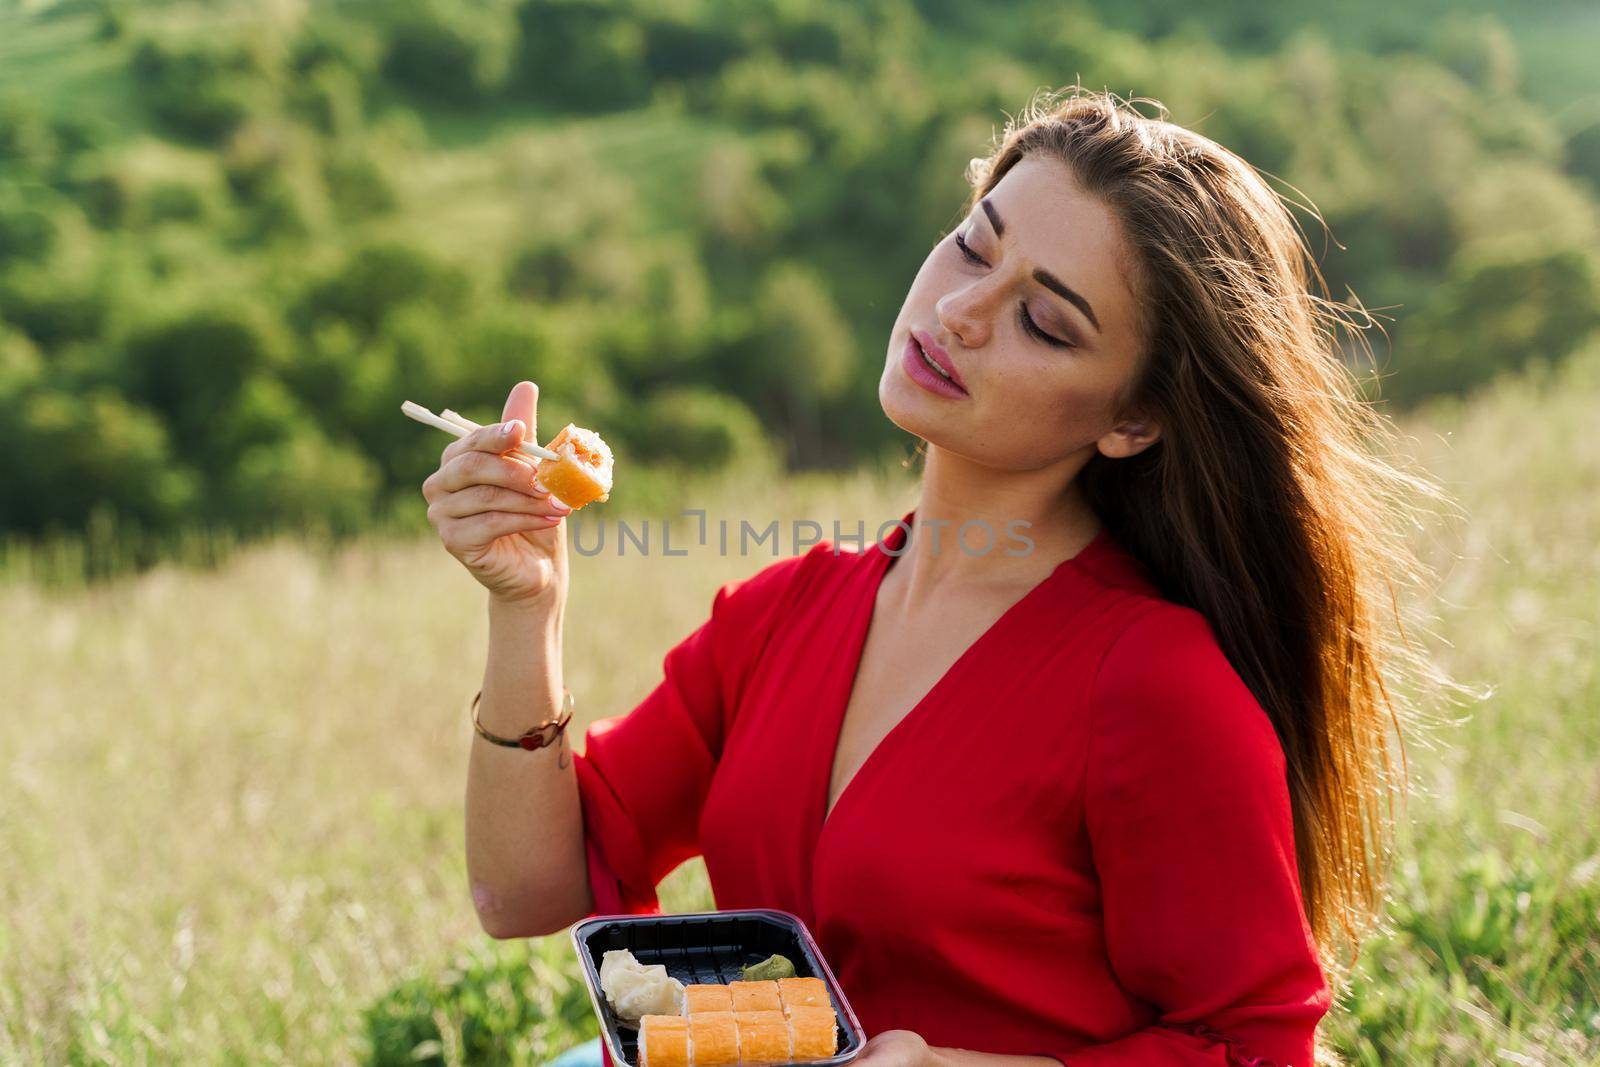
(1129, 437)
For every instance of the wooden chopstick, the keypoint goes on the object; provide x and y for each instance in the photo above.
(459, 420)
(454, 424)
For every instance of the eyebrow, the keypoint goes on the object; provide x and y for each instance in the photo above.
(1042, 276)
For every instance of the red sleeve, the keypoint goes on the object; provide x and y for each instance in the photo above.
(1193, 839)
(643, 776)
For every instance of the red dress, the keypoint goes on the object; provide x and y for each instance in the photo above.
(1078, 844)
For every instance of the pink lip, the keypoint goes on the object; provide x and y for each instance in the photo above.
(916, 368)
(938, 355)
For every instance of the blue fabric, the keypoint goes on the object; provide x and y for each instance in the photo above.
(584, 1055)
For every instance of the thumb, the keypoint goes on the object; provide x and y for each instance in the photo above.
(523, 404)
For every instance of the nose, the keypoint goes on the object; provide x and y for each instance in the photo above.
(967, 311)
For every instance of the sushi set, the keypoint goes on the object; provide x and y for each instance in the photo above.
(714, 989)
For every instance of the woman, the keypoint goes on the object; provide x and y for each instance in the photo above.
(1114, 798)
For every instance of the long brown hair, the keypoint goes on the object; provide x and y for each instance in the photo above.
(1273, 503)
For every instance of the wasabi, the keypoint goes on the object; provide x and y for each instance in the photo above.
(768, 970)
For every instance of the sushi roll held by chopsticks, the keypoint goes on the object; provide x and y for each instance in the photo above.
(582, 474)
(576, 466)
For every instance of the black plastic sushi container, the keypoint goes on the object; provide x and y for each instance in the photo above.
(704, 948)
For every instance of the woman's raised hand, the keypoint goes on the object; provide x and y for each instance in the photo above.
(493, 516)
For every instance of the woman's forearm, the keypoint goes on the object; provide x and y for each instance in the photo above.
(525, 841)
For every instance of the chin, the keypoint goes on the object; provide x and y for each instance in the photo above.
(908, 407)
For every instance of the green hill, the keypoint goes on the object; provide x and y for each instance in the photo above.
(237, 236)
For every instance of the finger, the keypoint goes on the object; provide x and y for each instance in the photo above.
(523, 404)
(479, 498)
(464, 536)
(484, 468)
(495, 437)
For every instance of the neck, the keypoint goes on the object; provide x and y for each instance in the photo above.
(1003, 511)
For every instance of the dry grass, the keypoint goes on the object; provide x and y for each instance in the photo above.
(233, 800)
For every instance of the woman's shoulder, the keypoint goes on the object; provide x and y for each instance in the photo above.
(1144, 620)
(779, 584)
(1165, 675)
(1155, 628)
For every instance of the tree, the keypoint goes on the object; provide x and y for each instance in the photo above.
(60, 467)
(453, 52)
(201, 90)
(1498, 314)
(192, 366)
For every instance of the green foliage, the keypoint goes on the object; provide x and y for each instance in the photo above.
(69, 455)
(193, 366)
(375, 281)
(106, 196)
(53, 310)
(174, 201)
(78, 135)
(684, 216)
(794, 353)
(508, 344)
(686, 45)
(202, 90)
(701, 428)
(1583, 149)
(1496, 313)
(519, 1002)
(1479, 50)
(27, 232)
(20, 364)
(111, 20)
(358, 184)
(453, 52)
(291, 477)
(1494, 935)
(330, 98)
(582, 55)
(555, 268)
(331, 38)
(26, 141)
(543, 270)
(663, 335)
(259, 161)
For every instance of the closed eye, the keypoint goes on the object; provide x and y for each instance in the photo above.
(1028, 325)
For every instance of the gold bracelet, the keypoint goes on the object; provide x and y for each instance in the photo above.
(538, 737)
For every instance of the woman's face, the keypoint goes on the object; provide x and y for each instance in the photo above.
(1023, 401)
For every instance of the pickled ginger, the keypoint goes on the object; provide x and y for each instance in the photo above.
(635, 990)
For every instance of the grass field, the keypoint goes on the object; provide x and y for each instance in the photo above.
(232, 804)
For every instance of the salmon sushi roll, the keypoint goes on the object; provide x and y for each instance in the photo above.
(810, 992)
(583, 473)
(815, 1032)
(755, 996)
(664, 1041)
(714, 1038)
(706, 997)
(763, 1037)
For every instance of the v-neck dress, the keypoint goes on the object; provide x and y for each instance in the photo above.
(1078, 844)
